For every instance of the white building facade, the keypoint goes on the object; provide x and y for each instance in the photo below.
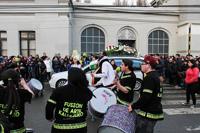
(30, 27)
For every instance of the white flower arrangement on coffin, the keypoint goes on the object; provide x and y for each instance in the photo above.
(121, 50)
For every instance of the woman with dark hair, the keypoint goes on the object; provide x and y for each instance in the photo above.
(112, 62)
(67, 106)
(191, 81)
(14, 93)
(76, 62)
(126, 83)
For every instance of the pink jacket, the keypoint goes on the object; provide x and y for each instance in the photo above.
(192, 75)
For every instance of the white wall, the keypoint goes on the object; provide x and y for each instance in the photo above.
(46, 1)
(182, 47)
(183, 39)
(193, 11)
(52, 34)
(50, 24)
(195, 37)
(15, 2)
(12, 25)
(142, 25)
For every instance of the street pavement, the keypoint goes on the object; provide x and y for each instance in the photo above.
(178, 118)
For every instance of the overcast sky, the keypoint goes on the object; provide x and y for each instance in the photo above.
(108, 2)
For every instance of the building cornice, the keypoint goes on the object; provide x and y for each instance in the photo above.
(34, 9)
(125, 19)
(183, 23)
(140, 10)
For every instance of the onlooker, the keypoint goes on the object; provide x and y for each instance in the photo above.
(191, 81)
(112, 62)
(76, 63)
(172, 71)
(56, 64)
(48, 63)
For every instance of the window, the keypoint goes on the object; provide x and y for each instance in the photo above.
(27, 43)
(3, 43)
(158, 42)
(92, 40)
(126, 34)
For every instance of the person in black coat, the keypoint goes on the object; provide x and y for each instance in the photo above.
(149, 103)
(67, 105)
(14, 93)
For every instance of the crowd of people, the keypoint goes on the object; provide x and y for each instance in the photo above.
(42, 67)
(172, 68)
(67, 105)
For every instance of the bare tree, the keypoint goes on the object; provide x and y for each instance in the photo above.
(124, 3)
(141, 3)
(87, 1)
(117, 3)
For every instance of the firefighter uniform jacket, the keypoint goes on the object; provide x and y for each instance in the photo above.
(149, 102)
(70, 106)
(16, 115)
(127, 80)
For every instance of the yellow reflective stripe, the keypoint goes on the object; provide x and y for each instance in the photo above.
(127, 76)
(2, 129)
(70, 126)
(122, 102)
(155, 116)
(147, 91)
(159, 95)
(21, 130)
(11, 112)
(151, 116)
(161, 89)
(51, 101)
(141, 113)
(127, 87)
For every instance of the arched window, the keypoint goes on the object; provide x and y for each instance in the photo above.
(158, 43)
(126, 36)
(92, 40)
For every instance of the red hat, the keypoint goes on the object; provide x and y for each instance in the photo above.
(150, 60)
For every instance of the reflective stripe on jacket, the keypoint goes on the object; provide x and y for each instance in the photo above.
(150, 115)
(70, 126)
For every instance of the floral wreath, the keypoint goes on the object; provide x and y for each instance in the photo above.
(121, 50)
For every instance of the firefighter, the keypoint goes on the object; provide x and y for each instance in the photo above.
(14, 93)
(149, 103)
(67, 106)
(126, 83)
